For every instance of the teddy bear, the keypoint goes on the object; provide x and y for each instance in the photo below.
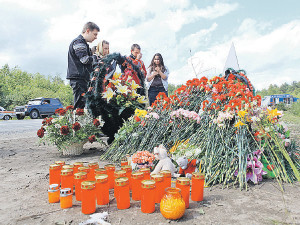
(187, 166)
(165, 163)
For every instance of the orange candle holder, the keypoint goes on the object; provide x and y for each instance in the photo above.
(66, 198)
(67, 167)
(61, 163)
(172, 205)
(167, 178)
(54, 174)
(136, 178)
(76, 166)
(146, 172)
(148, 196)
(84, 169)
(128, 170)
(91, 174)
(100, 171)
(110, 169)
(159, 190)
(67, 180)
(197, 186)
(78, 179)
(88, 197)
(183, 183)
(102, 189)
(123, 195)
(117, 174)
(53, 193)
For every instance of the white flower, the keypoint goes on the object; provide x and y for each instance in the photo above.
(108, 94)
(122, 89)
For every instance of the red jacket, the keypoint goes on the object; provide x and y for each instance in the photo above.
(190, 167)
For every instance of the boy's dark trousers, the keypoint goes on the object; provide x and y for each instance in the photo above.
(79, 89)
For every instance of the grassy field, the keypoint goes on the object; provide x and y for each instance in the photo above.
(293, 123)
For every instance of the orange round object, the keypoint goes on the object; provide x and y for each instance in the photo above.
(136, 179)
(183, 183)
(197, 186)
(53, 193)
(148, 196)
(123, 195)
(100, 171)
(88, 197)
(67, 180)
(66, 198)
(54, 174)
(146, 172)
(76, 166)
(172, 206)
(167, 178)
(102, 189)
(128, 170)
(60, 162)
(78, 179)
(117, 174)
(67, 167)
(91, 174)
(159, 181)
(110, 169)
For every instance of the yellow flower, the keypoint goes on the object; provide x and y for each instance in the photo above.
(114, 82)
(134, 94)
(122, 89)
(108, 94)
(142, 100)
(117, 75)
(238, 124)
(242, 114)
(134, 85)
(273, 113)
(141, 113)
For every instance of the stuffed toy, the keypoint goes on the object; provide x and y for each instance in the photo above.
(187, 166)
(165, 163)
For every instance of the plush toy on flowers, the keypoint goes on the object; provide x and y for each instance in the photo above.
(142, 159)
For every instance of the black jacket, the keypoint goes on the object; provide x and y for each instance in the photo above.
(79, 60)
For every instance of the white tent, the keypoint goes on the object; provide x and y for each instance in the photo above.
(232, 61)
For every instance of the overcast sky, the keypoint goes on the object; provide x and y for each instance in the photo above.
(35, 34)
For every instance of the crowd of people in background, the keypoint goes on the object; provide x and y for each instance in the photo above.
(82, 58)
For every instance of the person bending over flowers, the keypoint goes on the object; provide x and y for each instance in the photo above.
(157, 78)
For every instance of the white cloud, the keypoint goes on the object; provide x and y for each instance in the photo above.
(267, 57)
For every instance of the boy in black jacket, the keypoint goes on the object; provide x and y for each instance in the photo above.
(80, 62)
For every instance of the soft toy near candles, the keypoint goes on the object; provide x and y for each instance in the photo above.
(187, 166)
(165, 162)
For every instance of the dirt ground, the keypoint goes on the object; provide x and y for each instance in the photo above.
(24, 198)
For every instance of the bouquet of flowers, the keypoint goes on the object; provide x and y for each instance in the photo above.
(122, 92)
(143, 159)
(68, 127)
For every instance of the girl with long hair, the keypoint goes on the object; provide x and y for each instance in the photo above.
(157, 78)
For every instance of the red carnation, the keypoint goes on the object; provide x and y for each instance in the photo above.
(44, 122)
(137, 119)
(92, 138)
(49, 121)
(64, 130)
(96, 123)
(40, 133)
(76, 126)
(62, 112)
(79, 112)
(70, 107)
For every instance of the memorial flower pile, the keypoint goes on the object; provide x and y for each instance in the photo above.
(220, 122)
(69, 126)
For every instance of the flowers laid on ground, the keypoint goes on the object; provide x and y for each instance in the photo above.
(69, 126)
(122, 91)
(143, 158)
(225, 125)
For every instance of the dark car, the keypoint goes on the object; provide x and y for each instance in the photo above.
(38, 108)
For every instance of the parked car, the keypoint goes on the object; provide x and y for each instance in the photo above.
(6, 115)
(38, 108)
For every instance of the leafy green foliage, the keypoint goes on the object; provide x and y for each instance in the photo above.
(17, 87)
(293, 89)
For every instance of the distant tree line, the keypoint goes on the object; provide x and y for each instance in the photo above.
(293, 89)
(17, 87)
